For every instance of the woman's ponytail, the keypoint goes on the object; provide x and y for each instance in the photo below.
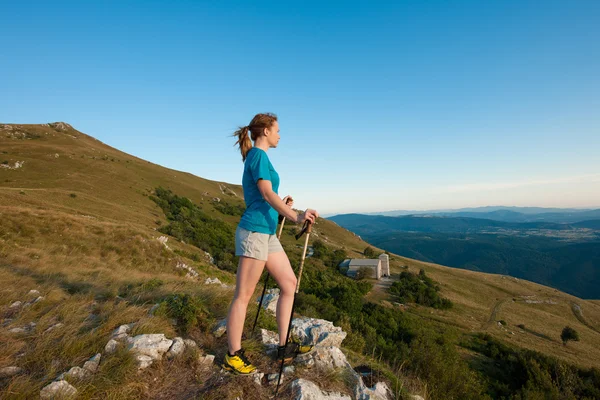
(243, 141)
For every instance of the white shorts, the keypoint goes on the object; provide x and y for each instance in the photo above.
(255, 244)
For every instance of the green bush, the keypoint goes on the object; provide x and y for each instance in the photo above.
(185, 309)
(369, 252)
(420, 289)
(229, 209)
(192, 225)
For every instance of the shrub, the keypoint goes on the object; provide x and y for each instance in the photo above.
(369, 252)
(184, 308)
(364, 273)
(420, 289)
(192, 225)
(569, 333)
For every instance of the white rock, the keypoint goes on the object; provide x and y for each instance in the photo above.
(289, 369)
(143, 361)
(318, 332)
(190, 343)
(176, 348)
(16, 304)
(208, 359)
(76, 373)
(58, 390)
(307, 390)
(8, 372)
(270, 300)
(122, 331)
(153, 345)
(324, 358)
(36, 300)
(258, 377)
(269, 338)
(24, 329)
(53, 327)
(220, 328)
(415, 397)
(33, 292)
(273, 378)
(212, 281)
(111, 346)
(93, 363)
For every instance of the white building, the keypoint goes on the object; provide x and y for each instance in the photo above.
(380, 266)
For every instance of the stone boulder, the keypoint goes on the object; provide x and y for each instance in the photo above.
(8, 372)
(303, 389)
(152, 345)
(318, 332)
(176, 349)
(270, 300)
(93, 363)
(324, 358)
(58, 390)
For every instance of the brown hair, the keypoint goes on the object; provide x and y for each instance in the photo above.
(256, 128)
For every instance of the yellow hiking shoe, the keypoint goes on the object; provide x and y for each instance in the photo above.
(293, 349)
(238, 363)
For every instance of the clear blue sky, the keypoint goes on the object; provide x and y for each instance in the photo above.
(382, 105)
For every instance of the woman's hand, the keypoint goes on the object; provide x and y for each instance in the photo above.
(309, 215)
(289, 201)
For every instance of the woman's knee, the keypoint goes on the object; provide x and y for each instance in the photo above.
(242, 297)
(289, 286)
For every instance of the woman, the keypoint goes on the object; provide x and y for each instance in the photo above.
(256, 243)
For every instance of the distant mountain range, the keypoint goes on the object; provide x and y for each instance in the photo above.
(508, 214)
(562, 255)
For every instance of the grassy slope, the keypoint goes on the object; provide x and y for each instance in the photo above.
(80, 227)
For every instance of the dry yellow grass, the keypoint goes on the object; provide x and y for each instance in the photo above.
(81, 229)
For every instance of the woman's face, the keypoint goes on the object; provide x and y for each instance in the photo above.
(272, 134)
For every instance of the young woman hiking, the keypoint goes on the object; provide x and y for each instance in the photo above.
(256, 243)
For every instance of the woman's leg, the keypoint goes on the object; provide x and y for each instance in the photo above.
(248, 274)
(280, 269)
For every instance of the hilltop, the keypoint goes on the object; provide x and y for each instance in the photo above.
(80, 224)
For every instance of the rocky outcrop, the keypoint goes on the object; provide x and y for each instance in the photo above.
(58, 390)
(307, 390)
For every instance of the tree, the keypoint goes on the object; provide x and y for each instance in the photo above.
(364, 272)
(569, 333)
(369, 252)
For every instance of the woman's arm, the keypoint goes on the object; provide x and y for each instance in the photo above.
(266, 190)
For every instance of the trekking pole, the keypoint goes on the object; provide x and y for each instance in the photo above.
(267, 277)
(306, 229)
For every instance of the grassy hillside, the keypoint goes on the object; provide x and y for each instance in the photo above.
(80, 226)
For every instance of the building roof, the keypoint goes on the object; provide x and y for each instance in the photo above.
(357, 262)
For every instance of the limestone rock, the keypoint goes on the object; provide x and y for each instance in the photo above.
(143, 361)
(8, 372)
(122, 331)
(53, 327)
(220, 328)
(212, 281)
(111, 346)
(190, 343)
(33, 293)
(75, 373)
(16, 304)
(318, 332)
(324, 358)
(270, 300)
(176, 348)
(93, 363)
(208, 359)
(307, 390)
(58, 390)
(153, 345)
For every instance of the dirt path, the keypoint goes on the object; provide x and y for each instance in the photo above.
(578, 312)
(494, 313)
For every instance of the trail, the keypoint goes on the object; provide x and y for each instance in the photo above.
(494, 313)
(576, 308)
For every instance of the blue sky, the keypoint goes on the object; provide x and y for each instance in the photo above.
(382, 105)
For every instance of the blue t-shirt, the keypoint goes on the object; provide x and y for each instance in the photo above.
(259, 215)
